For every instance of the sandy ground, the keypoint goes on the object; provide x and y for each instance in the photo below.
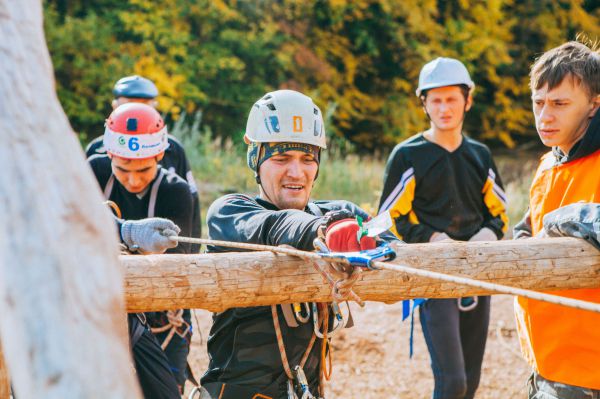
(371, 360)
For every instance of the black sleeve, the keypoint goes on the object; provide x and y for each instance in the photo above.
(239, 218)
(397, 197)
(523, 228)
(494, 198)
(176, 205)
(181, 164)
(183, 169)
(93, 147)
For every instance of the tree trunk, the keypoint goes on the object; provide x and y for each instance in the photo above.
(220, 281)
(63, 325)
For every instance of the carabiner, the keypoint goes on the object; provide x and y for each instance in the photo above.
(298, 312)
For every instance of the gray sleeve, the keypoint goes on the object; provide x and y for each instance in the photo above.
(580, 220)
(523, 228)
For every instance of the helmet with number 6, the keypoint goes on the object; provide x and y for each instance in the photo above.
(135, 131)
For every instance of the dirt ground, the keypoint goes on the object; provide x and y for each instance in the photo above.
(371, 359)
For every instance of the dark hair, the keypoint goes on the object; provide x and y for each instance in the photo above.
(463, 88)
(572, 60)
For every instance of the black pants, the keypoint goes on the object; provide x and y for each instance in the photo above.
(177, 352)
(456, 343)
(152, 367)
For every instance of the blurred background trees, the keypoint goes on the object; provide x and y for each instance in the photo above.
(359, 59)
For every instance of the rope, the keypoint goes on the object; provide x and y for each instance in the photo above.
(175, 321)
(499, 288)
(281, 345)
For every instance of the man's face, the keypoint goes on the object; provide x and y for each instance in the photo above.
(287, 179)
(446, 107)
(562, 114)
(134, 174)
(124, 100)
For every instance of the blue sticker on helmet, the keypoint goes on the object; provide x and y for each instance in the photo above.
(274, 123)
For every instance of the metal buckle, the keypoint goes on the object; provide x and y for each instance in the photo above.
(467, 306)
(363, 258)
(301, 383)
(298, 312)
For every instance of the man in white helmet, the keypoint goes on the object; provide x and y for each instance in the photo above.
(285, 136)
(440, 185)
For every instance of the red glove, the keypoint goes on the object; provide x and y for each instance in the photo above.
(340, 236)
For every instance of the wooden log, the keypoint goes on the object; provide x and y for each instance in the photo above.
(63, 327)
(220, 281)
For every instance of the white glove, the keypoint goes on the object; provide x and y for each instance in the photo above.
(437, 236)
(484, 234)
(149, 235)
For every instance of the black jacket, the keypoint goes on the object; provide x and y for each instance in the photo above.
(242, 345)
(174, 161)
(428, 189)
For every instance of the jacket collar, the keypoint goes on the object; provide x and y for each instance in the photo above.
(589, 143)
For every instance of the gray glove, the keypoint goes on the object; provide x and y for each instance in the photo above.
(149, 235)
(580, 220)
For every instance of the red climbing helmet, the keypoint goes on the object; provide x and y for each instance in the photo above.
(135, 131)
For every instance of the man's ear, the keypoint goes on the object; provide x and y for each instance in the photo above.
(114, 103)
(160, 156)
(596, 106)
(469, 103)
(246, 139)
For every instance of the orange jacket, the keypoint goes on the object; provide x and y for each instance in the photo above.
(561, 343)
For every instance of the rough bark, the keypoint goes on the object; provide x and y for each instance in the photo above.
(61, 293)
(220, 281)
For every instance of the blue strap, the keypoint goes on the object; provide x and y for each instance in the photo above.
(408, 309)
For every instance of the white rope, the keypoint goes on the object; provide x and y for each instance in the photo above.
(499, 288)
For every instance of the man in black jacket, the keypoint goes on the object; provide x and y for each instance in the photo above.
(130, 175)
(439, 185)
(285, 136)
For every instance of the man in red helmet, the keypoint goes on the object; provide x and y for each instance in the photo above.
(130, 175)
(137, 89)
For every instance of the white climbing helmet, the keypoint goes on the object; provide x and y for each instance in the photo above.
(443, 72)
(286, 116)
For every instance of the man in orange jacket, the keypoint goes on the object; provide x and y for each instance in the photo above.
(563, 344)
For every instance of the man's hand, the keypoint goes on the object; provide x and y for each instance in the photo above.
(149, 235)
(485, 234)
(341, 236)
(580, 220)
(437, 236)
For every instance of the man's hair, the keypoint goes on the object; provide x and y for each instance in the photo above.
(465, 90)
(572, 60)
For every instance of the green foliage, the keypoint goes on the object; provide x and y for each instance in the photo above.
(359, 60)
